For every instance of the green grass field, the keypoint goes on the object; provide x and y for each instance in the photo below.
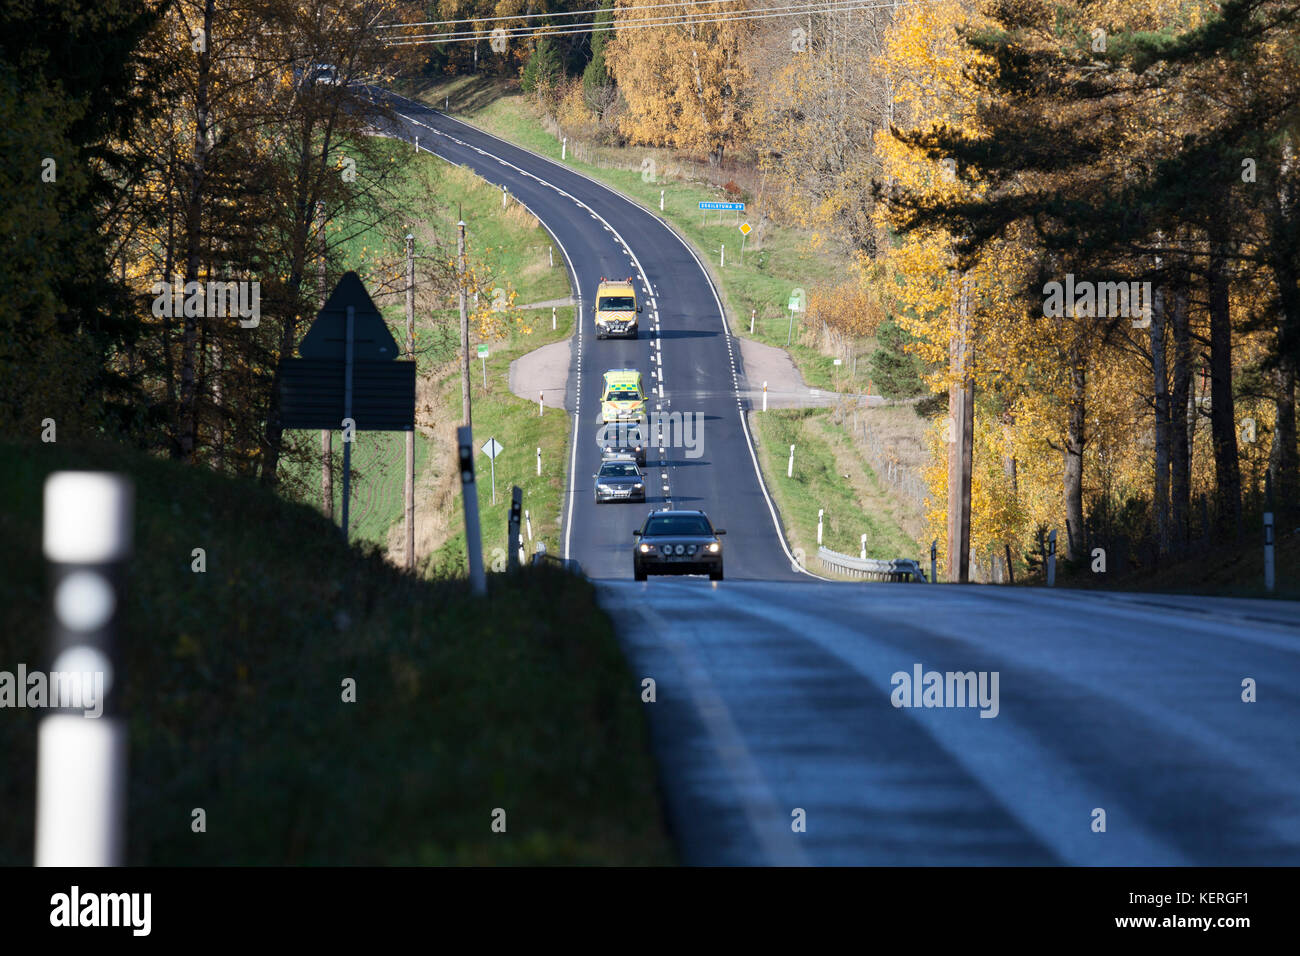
(515, 424)
(514, 248)
(818, 484)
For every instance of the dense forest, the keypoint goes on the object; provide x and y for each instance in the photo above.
(981, 158)
(985, 161)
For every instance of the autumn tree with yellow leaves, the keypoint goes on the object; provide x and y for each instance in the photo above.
(686, 83)
(1096, 141)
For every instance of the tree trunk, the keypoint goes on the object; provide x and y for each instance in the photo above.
(168, 328)
(1284, 459)
(1160, 502)
(1180, 458)
(305, 205)
(1074, 444)
(1282, 456)
(194, 236)
(1223, 422)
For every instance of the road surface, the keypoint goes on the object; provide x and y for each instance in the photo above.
(690, 363)
(774, 723)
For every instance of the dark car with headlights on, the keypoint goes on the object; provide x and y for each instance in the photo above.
(623, 438)
(619, 479)
(677, 542)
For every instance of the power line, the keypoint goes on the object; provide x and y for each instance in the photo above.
(569, 13)
(641, 23)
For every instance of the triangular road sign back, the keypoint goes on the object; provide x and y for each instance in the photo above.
(371, 340)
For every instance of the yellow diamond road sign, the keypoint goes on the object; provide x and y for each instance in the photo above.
(744, 229)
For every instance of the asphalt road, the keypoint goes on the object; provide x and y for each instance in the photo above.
(777, 697)
(690, 363)
(775, 725)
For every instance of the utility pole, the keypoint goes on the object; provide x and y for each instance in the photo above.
(410, 436)
(326, 436)
(464, 326)
(961, 418)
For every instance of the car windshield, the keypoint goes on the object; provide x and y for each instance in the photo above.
(618, 469)
(623, 395)
(616, 303)
(678, 524)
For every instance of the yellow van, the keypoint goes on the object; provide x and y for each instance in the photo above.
(616, 309)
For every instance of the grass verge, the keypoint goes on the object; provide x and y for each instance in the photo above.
(233, 684)
(822, 457)
(512, 246)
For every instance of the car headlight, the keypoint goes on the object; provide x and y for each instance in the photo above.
(714, 547)
(647, 548)
(638, 486)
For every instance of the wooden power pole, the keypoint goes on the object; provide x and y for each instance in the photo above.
(961, 415)
(326, 436)
(464, 327)
(410, 436)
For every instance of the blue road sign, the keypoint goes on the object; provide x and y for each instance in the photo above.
(723, 205)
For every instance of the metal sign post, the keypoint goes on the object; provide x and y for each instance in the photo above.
(347, 415)
(348, 372)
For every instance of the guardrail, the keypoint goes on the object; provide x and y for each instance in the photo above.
(873, 569)
(540, 557)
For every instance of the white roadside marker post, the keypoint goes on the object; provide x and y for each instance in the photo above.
(661, 200)
(765, 396)
(789, 469)
(863, 555)
(552, 318)
(539, 404)
(539, 462)
(1051, 559)
(564, 148)
(514, 540)
(81, 744)
(1268, 552)
(820, 512)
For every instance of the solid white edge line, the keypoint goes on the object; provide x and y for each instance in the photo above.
(577, 320)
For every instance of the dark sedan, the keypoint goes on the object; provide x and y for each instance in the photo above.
(677, 542)
(623, 439)
(619, 479)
